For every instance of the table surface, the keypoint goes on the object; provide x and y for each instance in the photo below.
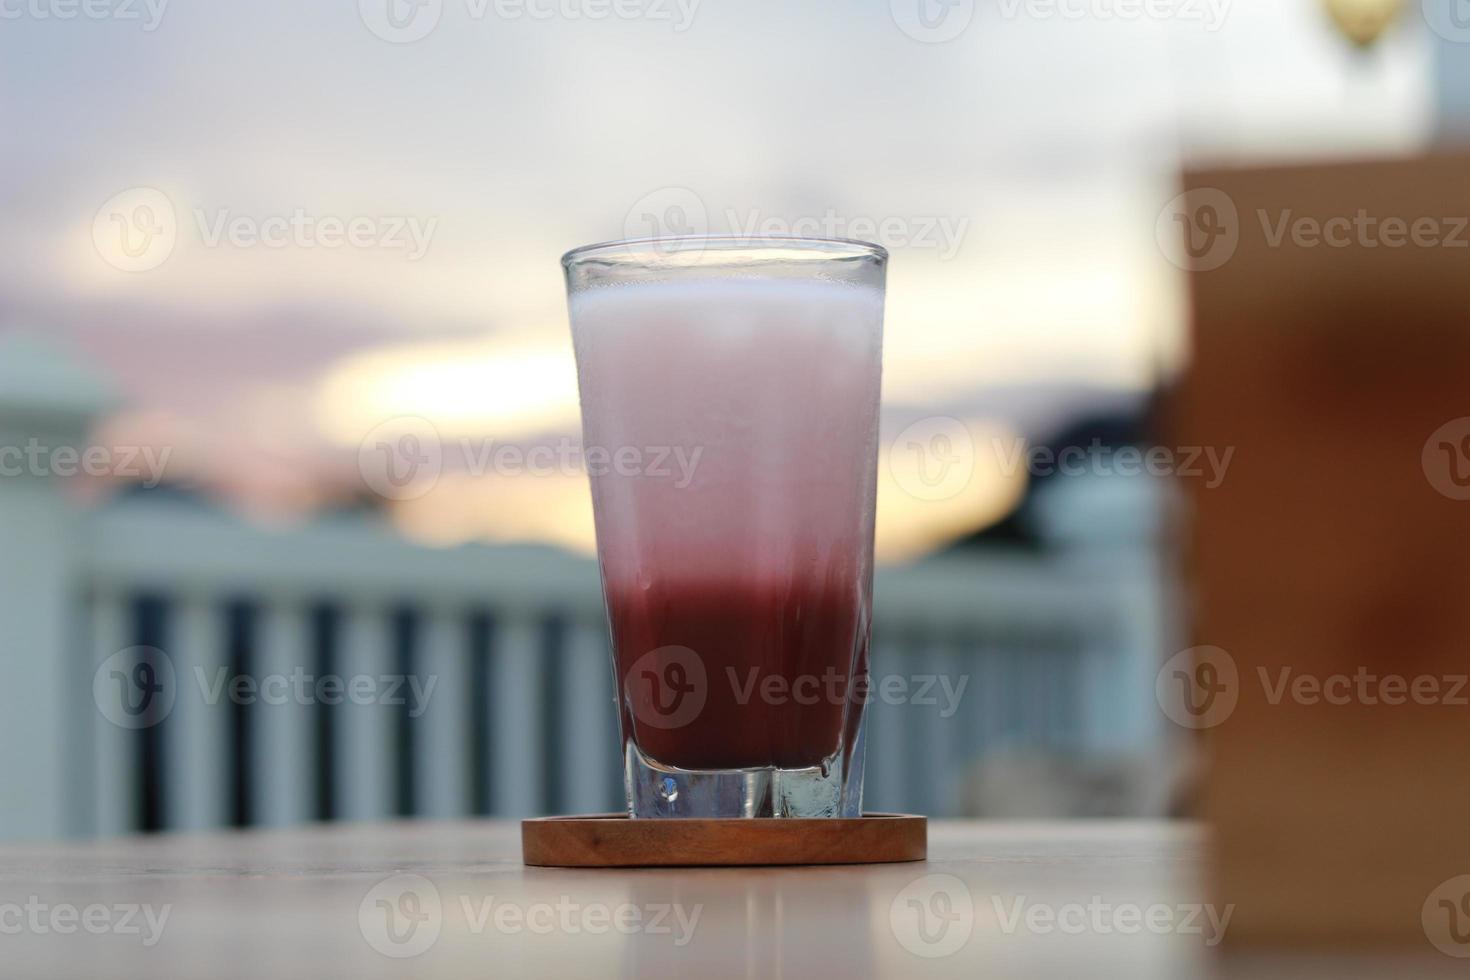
(1002, 900)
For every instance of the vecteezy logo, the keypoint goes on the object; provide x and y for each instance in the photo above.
(666, 688)
(1446, 459)
(135, 688)
(1450, 19)
(1446, 917)
(933, 459)
(932, 21)
(400, 21)
(401, 916)
(1199, 687)
(136, 230)
(1199, 230)
(666, 214)
(933, 916)
(402, 458)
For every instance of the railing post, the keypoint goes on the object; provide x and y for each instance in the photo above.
(47, 404)
(282, 740)
(363, 733)
(106, 764)
(441, 768)
(516, 723)
(589, 721)
(200, 783)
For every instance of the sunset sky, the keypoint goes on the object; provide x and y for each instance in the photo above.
(266, 353)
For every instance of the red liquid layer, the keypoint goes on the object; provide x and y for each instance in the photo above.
(739, 676)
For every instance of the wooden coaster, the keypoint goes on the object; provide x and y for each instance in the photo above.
(613, 840)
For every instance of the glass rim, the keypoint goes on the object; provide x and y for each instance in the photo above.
(815, 247)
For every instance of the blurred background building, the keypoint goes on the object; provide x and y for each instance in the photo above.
(284, 338)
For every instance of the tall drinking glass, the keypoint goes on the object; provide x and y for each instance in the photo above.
(730, 423)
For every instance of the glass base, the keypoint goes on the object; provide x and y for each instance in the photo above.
(829, 790)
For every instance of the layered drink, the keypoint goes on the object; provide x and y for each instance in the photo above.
(730, 420)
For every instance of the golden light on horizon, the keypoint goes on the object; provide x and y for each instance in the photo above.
(919, 513)
(555, 508)
(523, 386)
(501, 386)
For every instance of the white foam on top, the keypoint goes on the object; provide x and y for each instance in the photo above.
(769, 388)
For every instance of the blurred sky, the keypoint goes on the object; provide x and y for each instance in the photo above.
(1030, 155)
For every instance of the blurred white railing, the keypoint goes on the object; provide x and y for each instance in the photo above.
(521, 720)
(1056, 652)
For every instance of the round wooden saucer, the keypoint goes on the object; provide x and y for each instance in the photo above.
(613, 840)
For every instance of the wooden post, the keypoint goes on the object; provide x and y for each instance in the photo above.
(1332, 353)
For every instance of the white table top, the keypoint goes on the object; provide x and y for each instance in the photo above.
(1003, 900)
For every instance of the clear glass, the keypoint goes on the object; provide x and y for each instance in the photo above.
(730, 395)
